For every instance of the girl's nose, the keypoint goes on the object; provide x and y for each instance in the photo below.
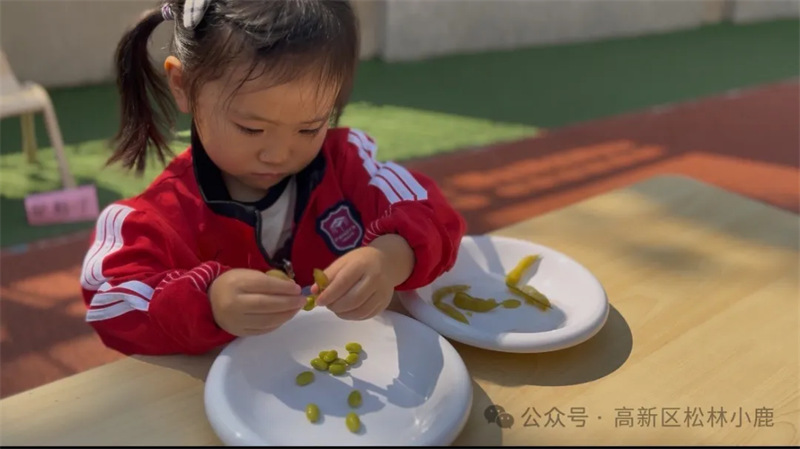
(274, 155)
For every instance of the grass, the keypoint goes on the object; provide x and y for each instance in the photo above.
(417, 109)
(433, 132)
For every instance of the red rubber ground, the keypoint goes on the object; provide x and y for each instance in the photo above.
(746, 142)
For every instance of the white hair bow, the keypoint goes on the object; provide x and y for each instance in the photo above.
(193, 11)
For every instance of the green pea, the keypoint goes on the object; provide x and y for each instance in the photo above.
(305, 378)
(312, 412)
(351, 358)
(352, 421)
(511, 303)
(319, 364)
(353, 347)
(330, 356)
(311, 302)
(322, 354)
(340, 361)
(354, 400)
(337, 369)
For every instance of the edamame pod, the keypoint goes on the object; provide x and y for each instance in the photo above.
(440, 293)
(464, 301)
(532, 296)
(513, 277)
(320, 279)
(452, 312)
(278, 274)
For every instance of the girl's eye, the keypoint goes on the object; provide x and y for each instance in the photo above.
(248, 131)
(311, 132)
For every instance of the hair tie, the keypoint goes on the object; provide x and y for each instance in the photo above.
(193, 11)
(166, 12)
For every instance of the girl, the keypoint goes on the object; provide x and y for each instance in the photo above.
(267, 183)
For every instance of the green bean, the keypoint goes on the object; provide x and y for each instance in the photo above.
(311, 302)
(330, 356)
(351, 358)
(354, 399)
(319, 364)
(352, 421)
(305, 378)
(337, 369)
(312, 412)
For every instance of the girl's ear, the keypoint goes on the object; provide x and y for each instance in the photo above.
(174, 71)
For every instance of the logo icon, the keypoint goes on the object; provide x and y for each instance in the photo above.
(497, 414)
(341, 228)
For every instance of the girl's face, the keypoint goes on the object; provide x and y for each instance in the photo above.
(264, 133)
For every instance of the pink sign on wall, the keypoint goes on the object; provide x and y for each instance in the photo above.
(62, 206)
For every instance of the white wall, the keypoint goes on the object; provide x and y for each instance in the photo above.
(57, 42)
(424, 28)
(72, 42)
(757, 10)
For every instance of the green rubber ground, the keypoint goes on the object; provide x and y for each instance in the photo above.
(422, 108)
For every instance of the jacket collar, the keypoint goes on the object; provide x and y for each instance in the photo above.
(216, 196)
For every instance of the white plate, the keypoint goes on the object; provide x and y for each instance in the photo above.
(416, 389)
(579, 303)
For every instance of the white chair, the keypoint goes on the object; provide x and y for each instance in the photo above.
(24, 100)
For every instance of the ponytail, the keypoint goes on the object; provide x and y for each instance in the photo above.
(138, 83)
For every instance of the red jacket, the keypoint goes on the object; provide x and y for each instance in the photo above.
(146, 275)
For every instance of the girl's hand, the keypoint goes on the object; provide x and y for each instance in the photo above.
(362, 281)
(248, 302)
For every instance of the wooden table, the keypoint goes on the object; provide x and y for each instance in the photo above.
(704, 292)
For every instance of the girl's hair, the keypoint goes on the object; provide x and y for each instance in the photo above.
(283, 39)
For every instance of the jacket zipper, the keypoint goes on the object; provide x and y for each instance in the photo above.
(287, 265)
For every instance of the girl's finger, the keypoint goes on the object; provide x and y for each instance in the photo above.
(341, 281)
(258, 304)
(378, 304)
(257, 282)
(370, 307)
(266, 322)
(353, 298)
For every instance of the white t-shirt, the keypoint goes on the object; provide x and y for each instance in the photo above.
(277, 220)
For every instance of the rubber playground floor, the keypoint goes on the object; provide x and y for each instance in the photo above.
(550, 127)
